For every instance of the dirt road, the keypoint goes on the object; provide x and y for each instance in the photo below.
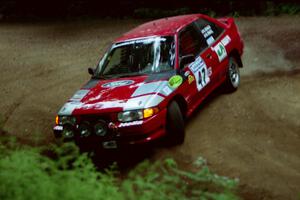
(253, 134)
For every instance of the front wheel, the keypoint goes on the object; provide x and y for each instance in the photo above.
(233, 75)
(175, 124)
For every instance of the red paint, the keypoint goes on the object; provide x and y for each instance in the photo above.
(160, 27)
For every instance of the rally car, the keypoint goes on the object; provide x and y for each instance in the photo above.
(151, 79)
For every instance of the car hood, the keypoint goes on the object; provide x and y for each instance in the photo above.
(116, 95)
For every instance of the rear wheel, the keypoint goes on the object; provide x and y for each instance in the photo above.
(175, 124)
(233, 75)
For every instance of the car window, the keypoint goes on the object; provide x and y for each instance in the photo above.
(141, 56)
(209, 30)
(115, 60)
(191, 41)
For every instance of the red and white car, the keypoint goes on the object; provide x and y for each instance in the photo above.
(150, 79)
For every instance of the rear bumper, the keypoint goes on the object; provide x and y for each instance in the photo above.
(129, 133)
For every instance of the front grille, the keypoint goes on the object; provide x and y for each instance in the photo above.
(94, 118)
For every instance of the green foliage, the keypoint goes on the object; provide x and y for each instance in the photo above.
(164, 180)
(235, 14)
(26, 174)
(158, 13)
(290, 9)
(220, 8)
(283, 8)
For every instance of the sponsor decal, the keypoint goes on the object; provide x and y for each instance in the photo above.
(210, 40)
(69, 107)
(175, 81)
(117, 83)
(190, 79)
(225, 41)
(207, 31)
(220, 51)
(141, 102)
(200, 71)
(126, 124)
(220, 48)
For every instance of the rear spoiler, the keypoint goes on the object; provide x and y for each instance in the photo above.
(227, 21)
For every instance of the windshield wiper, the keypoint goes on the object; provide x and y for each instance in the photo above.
(100, 77)
(130, 75)
(104, 77)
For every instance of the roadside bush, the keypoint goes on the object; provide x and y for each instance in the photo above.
(158, 13)
(290, 9)
(281, 8)
(26, 174)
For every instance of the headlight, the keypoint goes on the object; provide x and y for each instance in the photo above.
(133, 115)
(62, 120)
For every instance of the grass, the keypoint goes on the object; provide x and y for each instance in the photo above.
(27, 174)
(268, 8)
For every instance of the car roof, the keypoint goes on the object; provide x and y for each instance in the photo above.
(161, 27)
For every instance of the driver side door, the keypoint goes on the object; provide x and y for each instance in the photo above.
(197, 73)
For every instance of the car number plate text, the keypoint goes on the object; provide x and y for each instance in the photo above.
(110, 144)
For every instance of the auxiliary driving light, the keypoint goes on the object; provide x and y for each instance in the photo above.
(85, 129)
(100, 128)
(68, 131)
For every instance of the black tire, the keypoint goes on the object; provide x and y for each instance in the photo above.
(233, 76)
(175, 125)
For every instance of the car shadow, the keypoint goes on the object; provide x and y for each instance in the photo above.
(123, 158)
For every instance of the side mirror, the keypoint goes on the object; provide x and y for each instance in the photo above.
(184, 60)
(91, 71)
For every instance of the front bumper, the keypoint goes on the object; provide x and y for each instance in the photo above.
(119, 134)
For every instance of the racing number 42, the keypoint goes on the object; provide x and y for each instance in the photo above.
(199, 69)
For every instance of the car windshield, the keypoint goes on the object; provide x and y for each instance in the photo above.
(133, 58)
